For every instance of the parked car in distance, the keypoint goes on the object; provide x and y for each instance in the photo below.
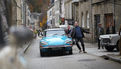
(110, 41)
(65, 26)
(55, 40)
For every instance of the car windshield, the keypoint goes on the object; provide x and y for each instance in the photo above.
(55, 32)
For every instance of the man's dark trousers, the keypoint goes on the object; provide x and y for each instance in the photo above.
(98, 43)
(82, 43)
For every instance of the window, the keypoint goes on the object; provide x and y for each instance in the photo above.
(83, 25)
(88, 20)
(50, 13)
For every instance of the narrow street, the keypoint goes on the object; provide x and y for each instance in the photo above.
(30, 26)
(91, 60)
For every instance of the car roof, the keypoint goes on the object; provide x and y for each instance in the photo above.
(54, 29)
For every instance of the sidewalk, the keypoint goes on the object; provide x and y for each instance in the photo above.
(24, 48)
(114, 57)
(91, 48)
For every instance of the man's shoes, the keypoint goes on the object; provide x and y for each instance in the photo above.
(84, 52)
(80, 51)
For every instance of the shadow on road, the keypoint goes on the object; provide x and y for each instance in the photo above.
(55, 54)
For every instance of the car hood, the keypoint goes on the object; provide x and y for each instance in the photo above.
(108, 35)
(55, 40)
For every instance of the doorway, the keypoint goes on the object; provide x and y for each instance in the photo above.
(97, 21)
(109, 24)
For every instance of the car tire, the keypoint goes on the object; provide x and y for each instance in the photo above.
(117, 47)
(64, 51)
(70, 51)
(110, 49)
(42, 54)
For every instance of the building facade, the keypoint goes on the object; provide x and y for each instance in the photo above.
(81, 12)
(68, 12)
(35, 17)
(56, 13)
(28, 16)
(57, 16)
(51, 15)
(108, 13)
(89, 13)
(75, 10)
(19, 12)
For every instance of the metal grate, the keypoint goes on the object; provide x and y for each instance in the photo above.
(106, 40)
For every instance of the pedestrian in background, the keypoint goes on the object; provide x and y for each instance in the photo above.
(110, 29)
(35, 33)
(78, 35)
(68, 31)
(38, 31)
(100, 31)
(119, 45)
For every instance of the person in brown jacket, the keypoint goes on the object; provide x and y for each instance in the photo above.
(120, 40)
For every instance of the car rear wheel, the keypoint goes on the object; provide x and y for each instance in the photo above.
(109, 48)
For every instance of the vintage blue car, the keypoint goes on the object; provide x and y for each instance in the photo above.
(55, 40)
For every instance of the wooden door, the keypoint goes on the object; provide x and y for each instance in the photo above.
(109, 24)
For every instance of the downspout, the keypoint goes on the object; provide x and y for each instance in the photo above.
(92, 25)
(114, 15)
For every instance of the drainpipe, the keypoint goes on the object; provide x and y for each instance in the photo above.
(60, 12)
(92, 25)
(114, 15)
(25, 12)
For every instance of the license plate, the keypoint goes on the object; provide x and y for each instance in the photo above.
(56, 48)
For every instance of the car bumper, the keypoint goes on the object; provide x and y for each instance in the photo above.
(107, 44)
(56, 48)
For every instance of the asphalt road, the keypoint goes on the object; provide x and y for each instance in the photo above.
(75, 61)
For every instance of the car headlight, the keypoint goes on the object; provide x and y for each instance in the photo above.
(110, 37)
(43, 43)
(68, 42)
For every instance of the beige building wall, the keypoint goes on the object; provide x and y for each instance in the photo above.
(117, 14)
(102, 8)
(13, 12)
(68, 9)
(84, 18)
(84, 10)
(19, 12)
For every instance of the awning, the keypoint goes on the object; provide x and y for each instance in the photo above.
(75, 1)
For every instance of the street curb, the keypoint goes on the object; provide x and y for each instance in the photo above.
(25, 47)
(112, 58)
(28, 45)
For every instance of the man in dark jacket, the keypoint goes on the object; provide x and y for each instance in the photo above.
(100, 31)
(68, 31)
(78, 35)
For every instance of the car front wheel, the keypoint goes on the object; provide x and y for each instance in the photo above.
(117, 47)
(42, 54)
(109, 48)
